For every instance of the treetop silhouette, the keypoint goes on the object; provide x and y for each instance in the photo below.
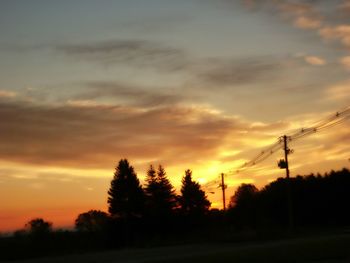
(38, 227)
(161, 198)
(192, 200)
(125, 196)
(91, 221)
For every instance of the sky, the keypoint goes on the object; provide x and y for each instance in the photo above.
(190, 84)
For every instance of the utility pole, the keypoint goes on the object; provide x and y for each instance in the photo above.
(289, 196)
(223, 187)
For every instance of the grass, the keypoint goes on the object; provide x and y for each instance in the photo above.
(322, 249)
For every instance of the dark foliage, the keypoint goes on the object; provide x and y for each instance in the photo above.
(242, 206)
(193, 200)
(161, 198)
(319, 202)
(125, 196)
(38, 227)
(316, 201)
(93, 221)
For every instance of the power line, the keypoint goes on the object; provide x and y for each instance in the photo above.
(281, 143)
(327, 123)
(321, 125)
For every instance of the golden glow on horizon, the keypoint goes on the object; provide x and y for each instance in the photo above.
(38, 181)
(186, 94)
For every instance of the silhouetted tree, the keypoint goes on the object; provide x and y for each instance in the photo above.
(161, 201)
(38, 227)
(151, 186)
(92, 221)
(125, 196)
(160, 193)
(193, 200)
(317, 200)
(243, 196)
(166, 192)
(243, 205)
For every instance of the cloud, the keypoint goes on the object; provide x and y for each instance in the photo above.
(344, 7)
(316, 61)
(146, 54)
(345, 61)
(330, 19)
(139, 53)
(97, 136)
(84, 103)
(237, 71)
(129, 94)
(7, 94)
(339, 32)
(91, 136)
(307, 22)
(268, 127)
(303, 14)
(338, 92)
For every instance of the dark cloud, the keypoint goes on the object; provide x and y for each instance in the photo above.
(238, 71)
(137, 96)
(151, 55)
(304, 14)
(140, 53)
(97, 136)
(344, 7)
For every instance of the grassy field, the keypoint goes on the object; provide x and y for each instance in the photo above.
(324, 249)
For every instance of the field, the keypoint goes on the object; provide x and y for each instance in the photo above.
(322, 249)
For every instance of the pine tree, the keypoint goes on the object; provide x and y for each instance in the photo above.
(193, 200)
(125, 196)
(166, 193)
(151, 181)
(161, 198)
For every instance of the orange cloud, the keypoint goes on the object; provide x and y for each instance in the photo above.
(316, 61)
(95, 136)
(304, 15)
(307, 22)
(7, 94)
(339, 32)
(345, 61)
(345, 7)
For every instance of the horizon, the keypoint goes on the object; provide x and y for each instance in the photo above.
(200, 85)
(71, 227)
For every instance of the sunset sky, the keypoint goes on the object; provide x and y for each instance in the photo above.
(189, 84)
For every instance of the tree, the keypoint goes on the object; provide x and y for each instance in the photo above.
(243, 206)
(166, 192)
(243, 196)
(125, 196)
(160, 193)
(38, 227)
(151, 180)
(193, 200)
(92, 221)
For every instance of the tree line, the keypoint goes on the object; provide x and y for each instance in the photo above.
(128, 200)
(154, 214)
(316, 200)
